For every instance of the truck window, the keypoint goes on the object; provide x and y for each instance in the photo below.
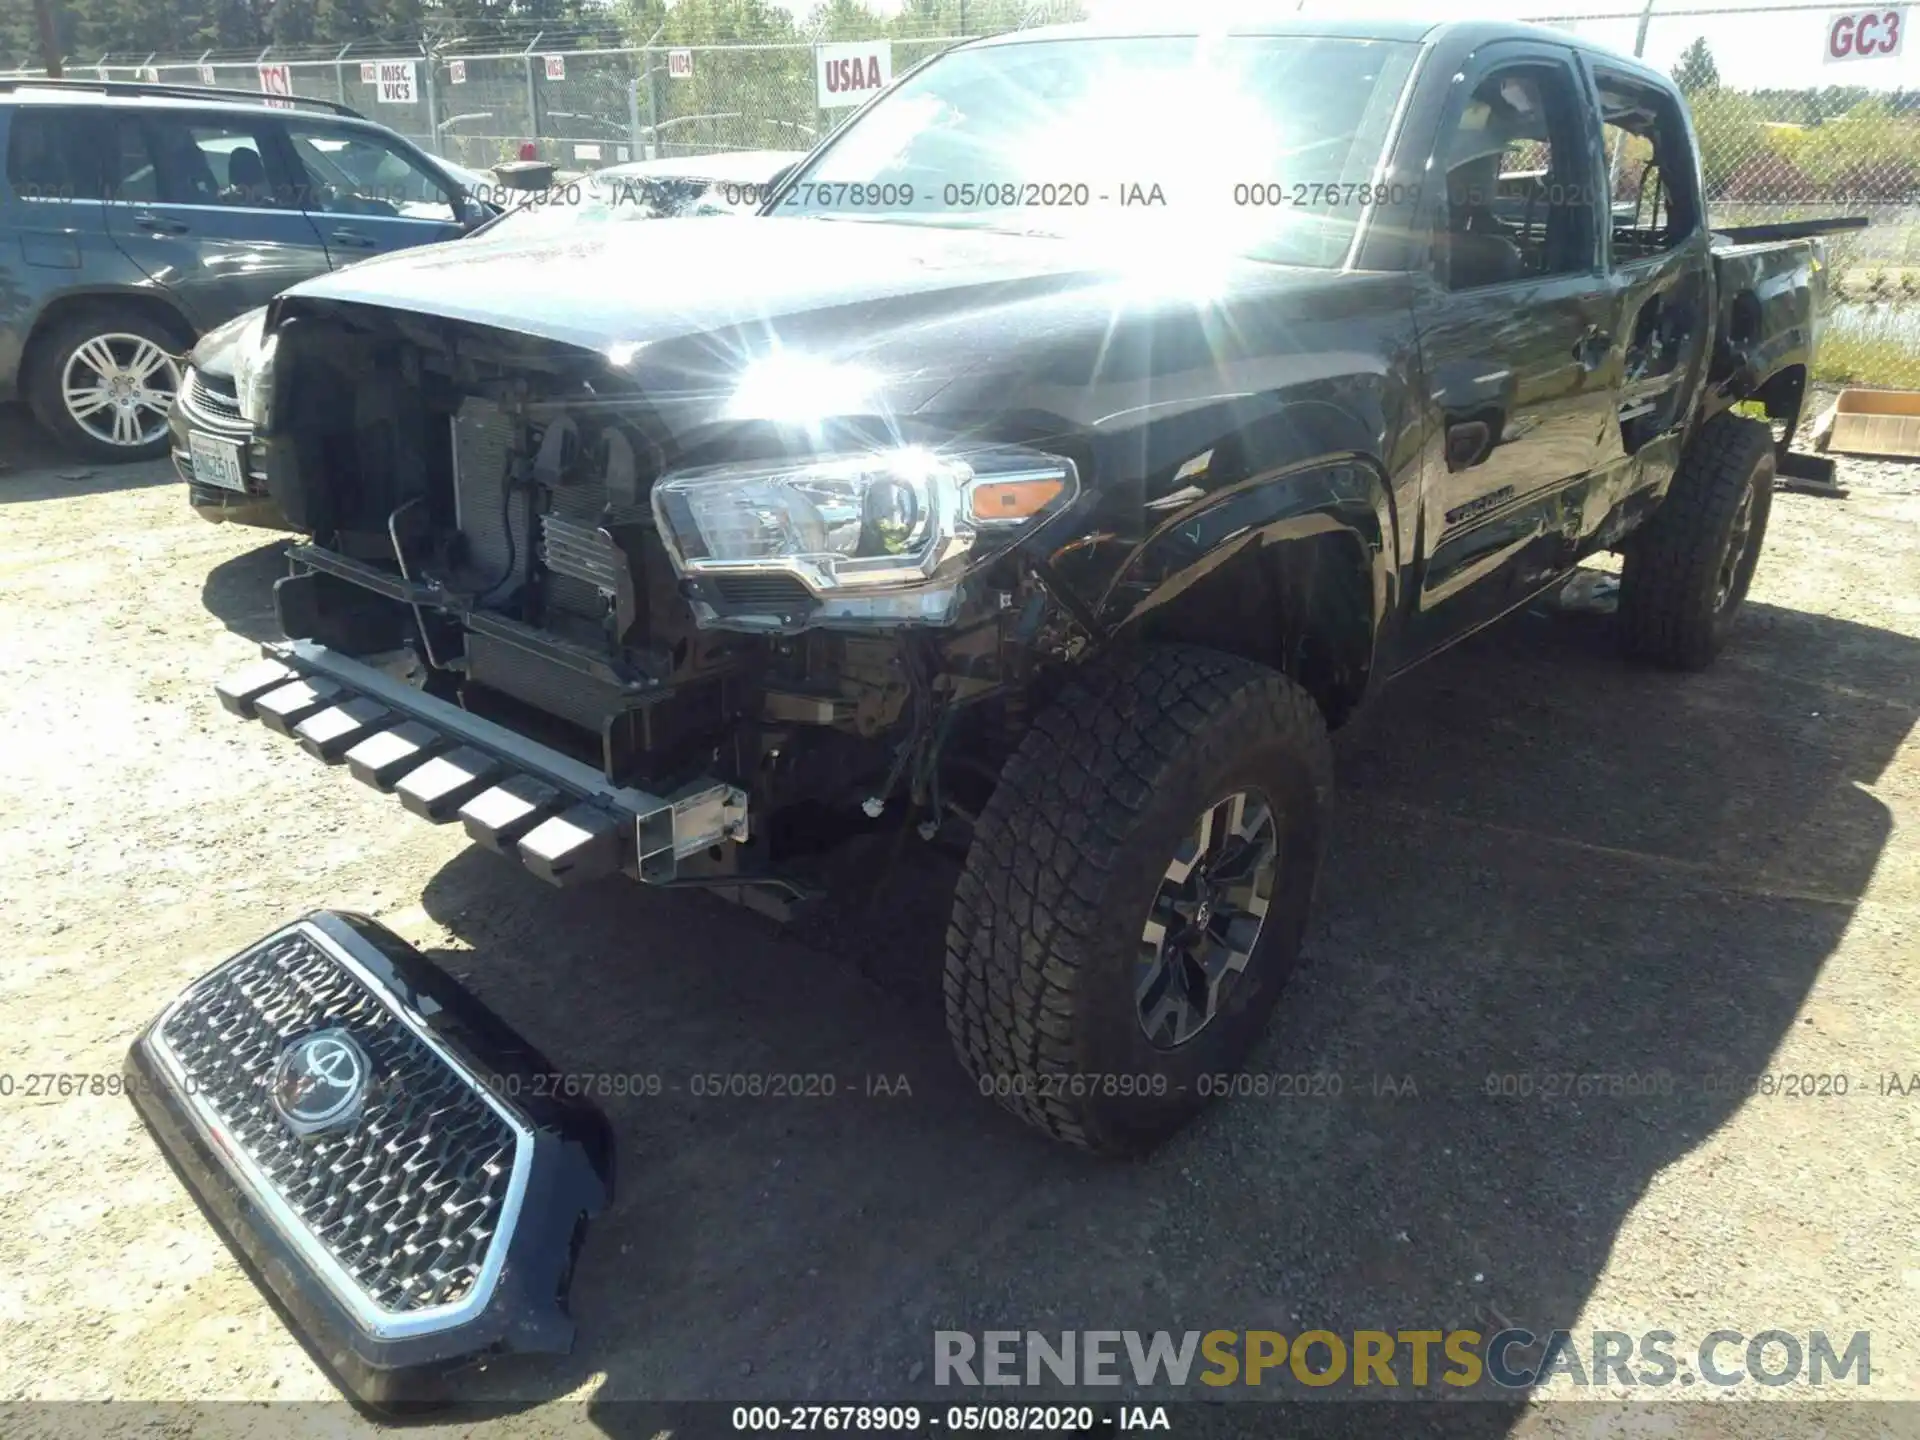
(1518, 203)
(1650, 179)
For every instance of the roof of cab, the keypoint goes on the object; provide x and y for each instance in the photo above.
(1229, 19)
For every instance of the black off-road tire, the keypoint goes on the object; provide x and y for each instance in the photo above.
(1066, 860)
(1672, 610)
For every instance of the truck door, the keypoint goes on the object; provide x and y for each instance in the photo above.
(1515, 333)
(1661, 264)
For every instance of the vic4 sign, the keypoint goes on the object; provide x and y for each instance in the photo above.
(851, 73)
(1865, 35)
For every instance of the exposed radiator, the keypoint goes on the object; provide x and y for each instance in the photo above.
(580, 550)
(540, 682)
(482, 434)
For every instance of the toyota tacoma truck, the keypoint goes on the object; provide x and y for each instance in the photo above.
(1044, 469)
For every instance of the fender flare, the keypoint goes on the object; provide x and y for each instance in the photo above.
(1333, 494)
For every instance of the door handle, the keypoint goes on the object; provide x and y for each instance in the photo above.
(1469, 443)
(1592, 347)
(353, 240)
(153, 224)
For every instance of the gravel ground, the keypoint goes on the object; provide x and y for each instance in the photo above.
(1545, 861)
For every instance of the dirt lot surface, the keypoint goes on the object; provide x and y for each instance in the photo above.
(1545, 862)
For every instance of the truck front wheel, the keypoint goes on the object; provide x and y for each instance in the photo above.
(1135, 894)
(1687, 570)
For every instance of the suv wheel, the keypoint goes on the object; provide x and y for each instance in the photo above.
(1687, 570)
(1135, 894)
(103, 382)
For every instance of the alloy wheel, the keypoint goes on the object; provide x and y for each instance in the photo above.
(1206, 918)
(1738, 539)
(119, 387)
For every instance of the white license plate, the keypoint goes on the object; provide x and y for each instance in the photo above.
(216, 462)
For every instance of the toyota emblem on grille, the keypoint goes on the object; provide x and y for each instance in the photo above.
(320, 1082)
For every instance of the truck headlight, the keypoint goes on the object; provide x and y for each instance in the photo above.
(253, 378)
(908, 520)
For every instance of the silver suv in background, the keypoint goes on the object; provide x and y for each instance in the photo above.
(134, 218)
(212, 429)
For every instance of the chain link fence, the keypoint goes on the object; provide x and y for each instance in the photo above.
(1817, 142)
(1817, 145)
(581, 109)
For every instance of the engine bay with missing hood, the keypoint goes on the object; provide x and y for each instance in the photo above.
(484, 515)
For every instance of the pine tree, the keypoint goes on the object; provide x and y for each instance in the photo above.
(1695, 73)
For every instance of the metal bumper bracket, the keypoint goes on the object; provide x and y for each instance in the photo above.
(563, 820)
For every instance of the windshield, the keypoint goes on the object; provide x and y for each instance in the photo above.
(593, 200)
(1267, 145)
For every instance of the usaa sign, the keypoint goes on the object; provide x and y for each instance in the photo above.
(849, 73)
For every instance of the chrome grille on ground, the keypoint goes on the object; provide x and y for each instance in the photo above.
(215, 397)
(409, 1197)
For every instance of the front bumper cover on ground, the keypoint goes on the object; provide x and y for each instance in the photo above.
(439, 1223)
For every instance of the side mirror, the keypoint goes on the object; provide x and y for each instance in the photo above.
(525, 174)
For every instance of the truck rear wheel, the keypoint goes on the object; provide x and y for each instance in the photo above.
(1135, 894)
(1687, 570)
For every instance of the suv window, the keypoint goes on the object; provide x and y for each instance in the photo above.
(49, 155)
(189, 160)
(1653, 206)
(1518, 202)
(351, 172)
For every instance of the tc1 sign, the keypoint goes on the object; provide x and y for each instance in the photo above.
(1865, 35)
(849, 73)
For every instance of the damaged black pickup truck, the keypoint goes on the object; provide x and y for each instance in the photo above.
(1040, 470)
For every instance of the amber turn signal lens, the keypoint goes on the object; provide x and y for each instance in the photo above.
(1011, 499)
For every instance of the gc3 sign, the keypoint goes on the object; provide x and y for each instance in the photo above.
(1865, 35)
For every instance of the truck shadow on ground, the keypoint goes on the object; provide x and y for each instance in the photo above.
(1545, 862)
(239, 592)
